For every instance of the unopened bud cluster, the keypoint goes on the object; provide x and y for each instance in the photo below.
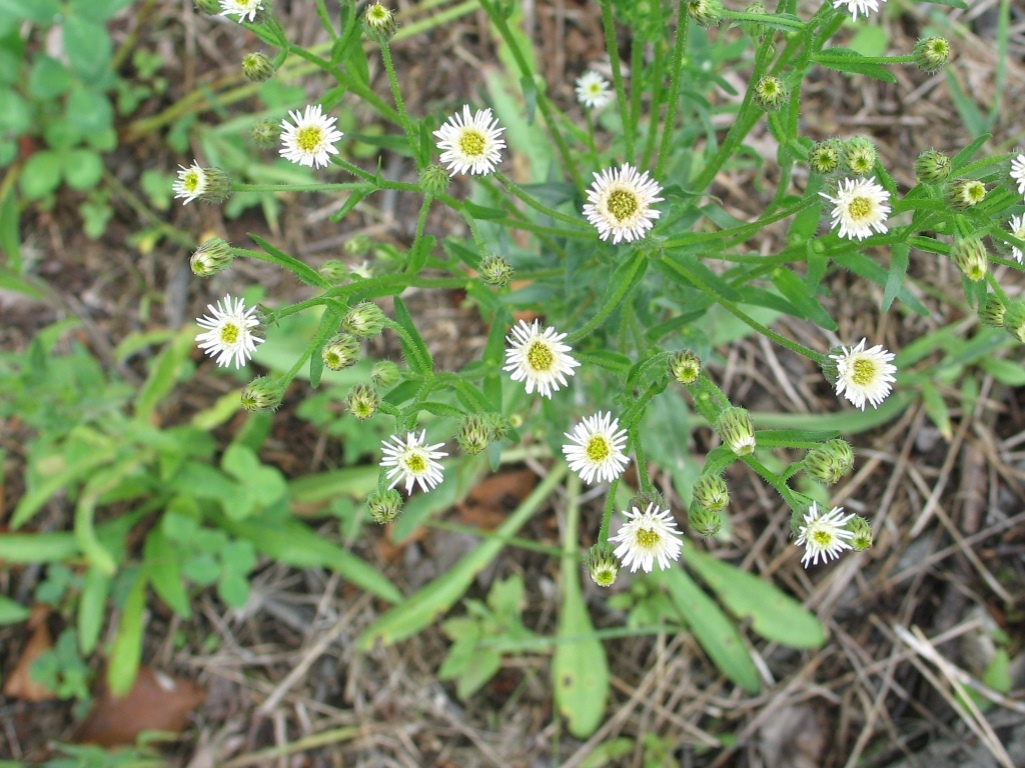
(830, 461)
(362, 402)
(932, 167)
(969, 255)
(364, 321)
(257, 68)
(384, 505)
(340, 352)
(213, 256)
(477, 431)
(736, 430)
(770, 93)
(262, 394)
(495, 271)
(685, 367)
(931, 53)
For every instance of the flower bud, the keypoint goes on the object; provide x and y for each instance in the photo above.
(265, 133)
(705, 522)
(862, 531)
(434, 180)
(213, 256)
(211, 185)
(685, 366)
(991, 312)
(602, 565)
(340, 352)
(262, 394)
(860, 156)
(770, 93)
(825, 156)
(754, 28)
(966, 193)
(384, 505)
(711, 493)
(378, 23)
(257, 68)
(705, 12)
(644, 499)
(474, 435)
(970, 256)
(829, 461)
(362, 402)
(364, 320)
(736, 430)
(359, 244)
(495, 271)
(931, 53)
(384, 374)
(1014, 319)
(334, 271)
(932, 167)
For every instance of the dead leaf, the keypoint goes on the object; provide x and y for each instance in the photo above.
(157, 702)
(20, 684)
(489, 502)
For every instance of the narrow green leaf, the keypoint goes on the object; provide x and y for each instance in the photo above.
(483, 212)
(782, 438)
(413, 347)
(302, 271)
(165, 575)
(127, 650)
(964, 157)
(580, 669)
(800, 295)
(38, 495)
(21, 548)
(937, 410)
(1004, 371)
(12, 612)
(167, 369)
(864, 267)
(92, 608)
(846, 60)
(354, 199)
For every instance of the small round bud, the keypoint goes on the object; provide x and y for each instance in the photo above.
(474, 434)
(705, 12)
(262, 394)
(862, 538)
(384, 505)
(736, 430)
(830, 461)
(932, 167)
(991, 312)
(711, 493)
(966, 193)
(209, 7)
(384, 374)
(754, 28)
(434, 180)
(825, 156)
(770, 93)
(602, 565)
(334, 271)
(685, 366)
(340, 352)
(931, 53)
(970, 256)
(1014, 319)
(860, 156)
(265, 133)
(364, 320)
(362, 402)
(257, 68)
(495, 271)
(213, 256)
(211, 185)
(705, 522)
(498, 425)
(378, 23)
(359, 244)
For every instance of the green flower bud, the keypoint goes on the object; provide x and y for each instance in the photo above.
(966, 193)
(334, 271)
(384, 505)
(931, 53)
(362, 402)
(1014, 319)
(829, 461)
(991, 312)
(860, 156)
(262, 394)
(705, 12)
(736, 430)
(754, 28)
(685, 366)
(646, 498)
(932, 167)
(257, 68)
(340, 352)
(434, 180)
(770, 93)
(364, 320)
(496, 271)
(265, 133)
(970, 256)
(711, 493)
(474, 434)
(211, 185)
(705, 522)
(862, 531)
(825, 156)
(378, 23)
(602, 565)
(359, 244)
(384, 374)
(213, 256)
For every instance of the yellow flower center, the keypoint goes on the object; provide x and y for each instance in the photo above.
(540, 357)
(647, 539)
(230, 333)
(192, 180)
(416, 463)
(863, 371)
(822, 538)
(308, 139)
(860, 208)
(597, 449)
(622, 204)
(472, 142)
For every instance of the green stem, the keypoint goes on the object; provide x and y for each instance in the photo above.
(611, 46)
(354, 86)
(389, 67)
(530, 202)
(610, 505)
(325, 20)
(676, 73)
(611, 303)
(419, 254)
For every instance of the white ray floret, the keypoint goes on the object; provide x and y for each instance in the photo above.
(1018, 172)
(1018, 230)
(310, 139)
(854, 7)
(241, 8)
(539, 358)
(593, 90)
(229, 332)
(864, 375)
(619, 203)
(860, 206)
(470, 143)
(412, 461)
(596, 450)
(192, 182)
(648, 537)
(823, 535)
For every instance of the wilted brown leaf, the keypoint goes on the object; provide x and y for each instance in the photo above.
(489, 502)
(20, 684)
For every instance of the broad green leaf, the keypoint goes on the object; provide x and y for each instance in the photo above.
(83, 169)
(98, 10)
(89, 111)
(10, 236)
(92, 608)
(48, 79)
(164, 569)
(580, 670)
(39, 11)
(41, 174)
(87, 45)
(127, 650)
(12, 612)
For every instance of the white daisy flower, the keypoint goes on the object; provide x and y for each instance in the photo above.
(646, 537)
(539, 358)
(241, 8)
(860, 206)
(470, 144)
(864, 375)
(597, 448)
(1018, 172)
(1018, 230)
(593, 90)
(229, 332)
(619, 203)
(823, 535)
(413, 461)
(311, 141)
(854, 6)
(192, 182)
